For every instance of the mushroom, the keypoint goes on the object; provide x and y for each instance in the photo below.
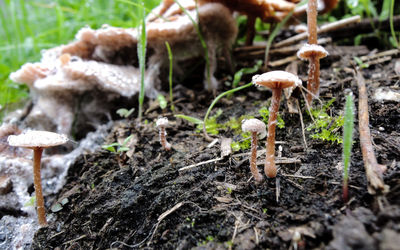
(254, 126)
(161, 123)
(276, 81)
(313, 53)
(37, 140)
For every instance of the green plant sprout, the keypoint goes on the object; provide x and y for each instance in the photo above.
(202, 41)
(118, 147)
(360, 63)
(124, 113)
(170, 58)
(245, 71)
(395, 41)
(211, 124)
(348, 128)
(326, 127)
(231, 91)
(141, 49)
(264, 112)
(162, 101)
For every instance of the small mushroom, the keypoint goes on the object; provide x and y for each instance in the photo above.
(313, 53)
(161, 123)
(276, 81)
(37, 140)
(254, 126)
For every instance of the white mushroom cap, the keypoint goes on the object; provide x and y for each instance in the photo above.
(276, 79)
(311, 50)
(253, 125)
(162, 121)
(34, 139)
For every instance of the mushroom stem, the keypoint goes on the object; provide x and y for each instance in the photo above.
(311, 79)
(253, 159)
(37, 156)
(166, 145)
(251, 21)
(312, 21)
(315, 86)
(270, 168)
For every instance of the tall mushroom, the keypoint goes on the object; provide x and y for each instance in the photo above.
(276, 81)
(37, 140)
(254, 126)
(312, 51)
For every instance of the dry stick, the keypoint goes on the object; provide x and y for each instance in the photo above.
(372, 168)
(302, 124)
(324, 28)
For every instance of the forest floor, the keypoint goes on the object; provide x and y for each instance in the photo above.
(143, 199)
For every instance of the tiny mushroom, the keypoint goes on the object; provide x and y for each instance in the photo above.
(37, 140)
(313, 53)
(161, 123)
(254, 126)
(276, 81)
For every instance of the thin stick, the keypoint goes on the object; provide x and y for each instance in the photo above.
(199, 164)
(325, 28)
(372, 168)
(302, 124)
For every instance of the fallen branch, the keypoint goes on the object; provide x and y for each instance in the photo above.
(372, 168)
(324, 28)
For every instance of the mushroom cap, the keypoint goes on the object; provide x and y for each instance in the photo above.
(162, 121)
(36, 139)
(276, 79)
(311, 50)
(253, 125)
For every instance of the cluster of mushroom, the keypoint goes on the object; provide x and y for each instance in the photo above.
(276, 81)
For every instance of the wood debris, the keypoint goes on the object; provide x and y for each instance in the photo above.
(373, 170)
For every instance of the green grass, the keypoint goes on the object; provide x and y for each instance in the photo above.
(27, 27)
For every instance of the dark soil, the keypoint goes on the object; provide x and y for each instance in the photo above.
(118, 201)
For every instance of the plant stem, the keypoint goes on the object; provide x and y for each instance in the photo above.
(171, 98)
(270, 167)
(208, 138)
(391, 24)
(37, 180)
(347, 141)
(142, 59)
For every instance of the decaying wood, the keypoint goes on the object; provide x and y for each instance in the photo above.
(372, 168)
(364, 27)
(325, 28)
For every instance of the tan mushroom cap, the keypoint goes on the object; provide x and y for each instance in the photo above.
(311, 50)
(162, 121)
(37, 139)
(253, 125)
(276, 79)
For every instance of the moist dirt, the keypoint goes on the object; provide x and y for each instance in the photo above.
(141, 199)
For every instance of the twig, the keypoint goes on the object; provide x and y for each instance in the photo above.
(199, 164)
(302, 124)
(298, 176)
(372, 168)
(163, 215)
(324, 28)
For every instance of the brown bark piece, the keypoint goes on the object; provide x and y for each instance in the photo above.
(372, 168)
